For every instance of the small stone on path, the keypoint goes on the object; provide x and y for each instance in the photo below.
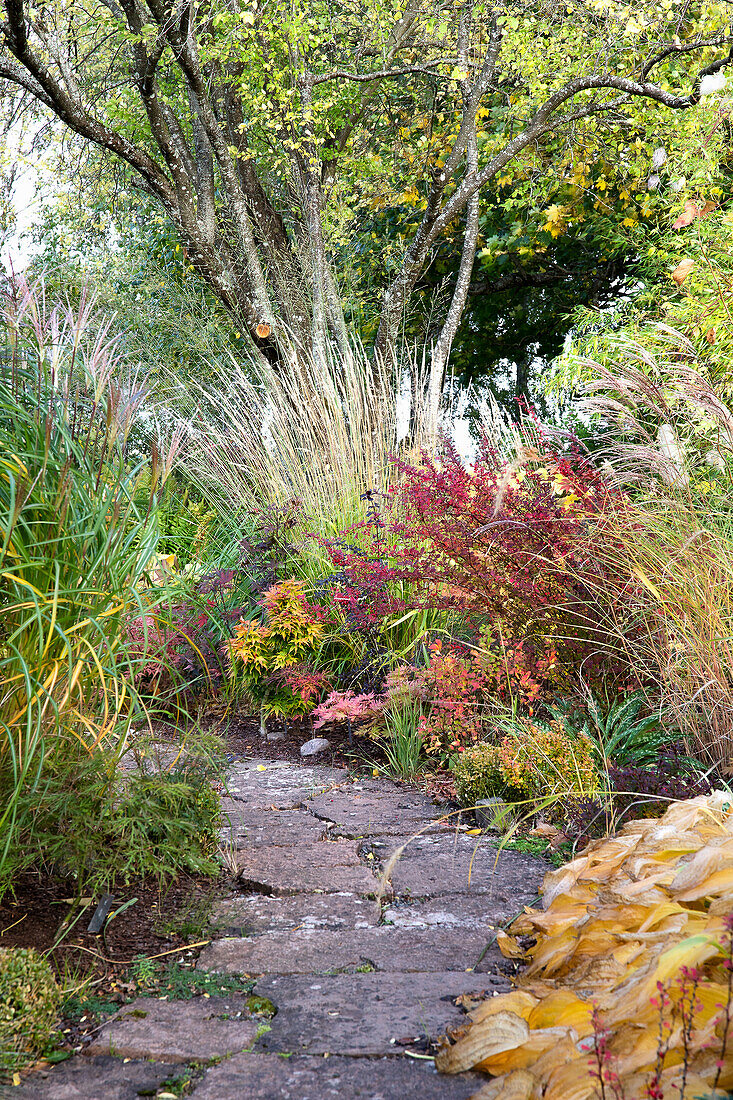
(314, 746)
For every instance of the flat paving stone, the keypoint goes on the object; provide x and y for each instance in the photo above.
(270, 828)
(178, 1031)
(280, 784)
(255, 914)
(100, 1078)
(435, 865)
(483, 912)
(360, 1014)
(270, 1077)
(376, 807)
(313, 952)
(328, 866)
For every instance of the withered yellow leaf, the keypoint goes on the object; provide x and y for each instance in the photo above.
(516, 1086)
(622, 917)
(508, 946)
(571, 1081)
(562, 1008)
(502, 1031)
(524, 1055)
(518, 1001)
(720, 882)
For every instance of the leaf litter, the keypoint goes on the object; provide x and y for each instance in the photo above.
(626, 992)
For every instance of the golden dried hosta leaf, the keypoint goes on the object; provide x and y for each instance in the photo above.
(660, 913)
(552, 954)
(502, 1031)
(571, 1081)
(721, 906)
(508, 946)
(628, 914)
(710, 859)
(562, 1008)
(518, 1001)
(635, 1048)
(524, 1055)
(515, 1086)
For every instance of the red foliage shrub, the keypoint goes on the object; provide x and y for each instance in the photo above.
(511, 547)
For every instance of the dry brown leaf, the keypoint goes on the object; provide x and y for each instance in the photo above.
(693, 209)
(683, 269)
(502, 1031)
(508, 946)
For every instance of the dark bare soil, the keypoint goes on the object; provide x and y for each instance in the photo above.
(163, 918)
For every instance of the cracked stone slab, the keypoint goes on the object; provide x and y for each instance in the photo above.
(178, 1031)
(480, 913)
(376, 807)
(269, 828)
(330, 866)
(364, 1014)
(100, 1078)
(384, 949)
(265, 783)
(254, 914)
(267, 1076)
(435, 865)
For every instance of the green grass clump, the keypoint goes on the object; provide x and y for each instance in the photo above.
(29, 1006)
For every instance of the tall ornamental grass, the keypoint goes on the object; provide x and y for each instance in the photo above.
(668, 544)
(74, 544)
(321, 430)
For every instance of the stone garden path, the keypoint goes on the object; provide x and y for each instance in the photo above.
(361, 982)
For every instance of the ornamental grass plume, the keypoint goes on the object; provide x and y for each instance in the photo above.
(321, 430)
(666, 548)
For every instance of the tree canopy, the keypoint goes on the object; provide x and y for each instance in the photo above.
(266, 130)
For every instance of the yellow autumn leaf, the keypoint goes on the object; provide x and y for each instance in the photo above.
(624, 918)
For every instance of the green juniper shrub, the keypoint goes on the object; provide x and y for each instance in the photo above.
(29, 1006)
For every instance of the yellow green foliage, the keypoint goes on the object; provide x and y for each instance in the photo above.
(29, 1006)
(536, 760)
(291, 633)
(478, 774)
